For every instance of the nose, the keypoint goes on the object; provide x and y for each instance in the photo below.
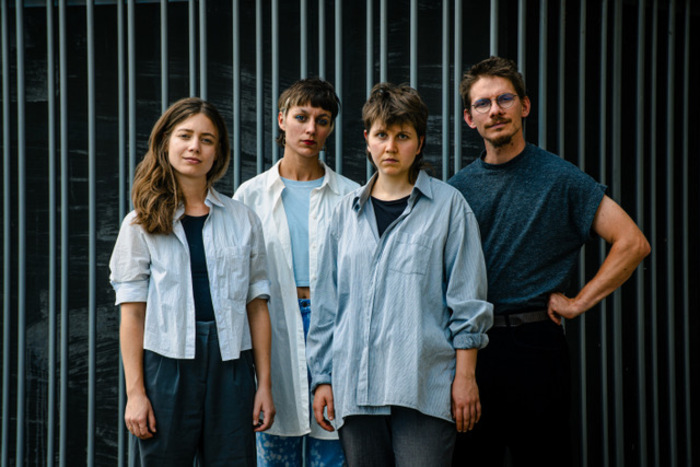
(391, 144)
(495, 108)
(194, 145)
(311, 126)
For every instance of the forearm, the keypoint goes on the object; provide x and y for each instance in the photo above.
(259, 320)
(466, 363)
(131, 343)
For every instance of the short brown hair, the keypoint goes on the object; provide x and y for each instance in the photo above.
(492, 66)
(315, 92)
(394, 104)
(156, 193)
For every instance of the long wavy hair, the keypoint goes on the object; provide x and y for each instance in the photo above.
(156, 193)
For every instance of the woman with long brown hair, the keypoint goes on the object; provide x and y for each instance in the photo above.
(188, 269)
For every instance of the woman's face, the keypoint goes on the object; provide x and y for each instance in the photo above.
(305, 130)
(192, 147)
(393, 148)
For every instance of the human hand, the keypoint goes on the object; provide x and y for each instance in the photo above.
(560, 306)
(264, 406)
(139, 417)
(466, 405)
(323, 399)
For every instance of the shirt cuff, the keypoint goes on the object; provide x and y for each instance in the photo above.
(316, 381)
(134, 291)
(466, 340)
(260, 289)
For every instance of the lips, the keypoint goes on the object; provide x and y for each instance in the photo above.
(308, 142)
(498, 123)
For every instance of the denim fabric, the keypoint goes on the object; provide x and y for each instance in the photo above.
(289, 451)
(155, 269)
(404, 438)
(390, 311)
(305, 310)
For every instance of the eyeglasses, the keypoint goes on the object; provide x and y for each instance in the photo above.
(504, 101)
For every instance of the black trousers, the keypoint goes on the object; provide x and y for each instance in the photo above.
(524, 385)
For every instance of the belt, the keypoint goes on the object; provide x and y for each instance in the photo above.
(516, 319)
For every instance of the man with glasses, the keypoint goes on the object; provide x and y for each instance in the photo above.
(535, 212)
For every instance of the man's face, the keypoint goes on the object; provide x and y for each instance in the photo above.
(498, 126)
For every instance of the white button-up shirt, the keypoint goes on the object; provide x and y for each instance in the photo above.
(155, 268)
(290, 388)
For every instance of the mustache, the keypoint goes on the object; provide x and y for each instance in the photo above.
(497, 121)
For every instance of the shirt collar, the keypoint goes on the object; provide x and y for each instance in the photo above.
(213, 199)
(274, 179)
(422, 187)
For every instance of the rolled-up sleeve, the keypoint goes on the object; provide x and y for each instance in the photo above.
(130, 264)
(259, 285)
(320, 337)
(466, 286)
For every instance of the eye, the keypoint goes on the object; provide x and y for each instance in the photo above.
(301, 118)
(403, 136)
(506, 98)
(323, 121)
(482, 104)
(183, 135)
(380, 134)
(208, 140)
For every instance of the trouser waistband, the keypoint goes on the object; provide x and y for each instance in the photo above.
(517, 319)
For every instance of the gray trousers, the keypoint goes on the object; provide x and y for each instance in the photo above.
(203, 407)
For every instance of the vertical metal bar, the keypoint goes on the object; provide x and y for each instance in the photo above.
(654, 270)
(618, 369)
(602, 150)
(671, 233)
(542, 79)
(493, 30)
(686, 240)
(369, 64)
(561, 146)
(414, 44)
(236, 104)
(456, 98)
(383, 39)
(522, 34)
(303, 38)
(446, 90)
(322, 39)
(193, 48)
(51, 110)
(63, 115)
(260, 133)
(639, 211)
(203, 79)
(339, 84)
(163, 55)
(21, 236)
(92, 232)
(582, 261)
(6, 236)
(131, 55)
(275, 78)
(121, 92)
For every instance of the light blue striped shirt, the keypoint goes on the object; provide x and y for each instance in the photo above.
(389, 312)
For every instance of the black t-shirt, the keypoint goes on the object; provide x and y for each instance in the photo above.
(203, 308)
(387, 212)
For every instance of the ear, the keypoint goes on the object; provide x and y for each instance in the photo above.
(420, 144)
(525, 104)
(468, 118)
(280, 121)
(366, 138)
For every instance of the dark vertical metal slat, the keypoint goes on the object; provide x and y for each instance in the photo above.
(193, 47)
(21, 236)
(322, 51)
(654, 271)
(602, 150)
(493, 30)
(163, 55)
(456, 98)
(639, 214)
(561, 77)
(63, 116)
(582, 348)
(618, 369)
(203, 78)
(369, 62)
(6, 248)
(275, 79)
(51, 110)
(339, 84)
(92, 232)
(259, 133)
(522, 34)
(542, 78)
(123, 203)
(236, 104)
(303, 38)
(686, 240)
(670, 235)
(445, 92)
(414, 44)
(383, 39)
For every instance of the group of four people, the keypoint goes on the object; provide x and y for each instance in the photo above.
(394, 272)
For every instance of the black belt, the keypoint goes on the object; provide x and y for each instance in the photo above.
(516, 319)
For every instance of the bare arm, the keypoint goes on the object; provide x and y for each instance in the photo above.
(466, 406)
(138, 416)
(628, 248)
(259, 319)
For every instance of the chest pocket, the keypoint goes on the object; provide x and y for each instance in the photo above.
(234, 271)
(410, 254)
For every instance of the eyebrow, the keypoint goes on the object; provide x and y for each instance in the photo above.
(189, 130)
